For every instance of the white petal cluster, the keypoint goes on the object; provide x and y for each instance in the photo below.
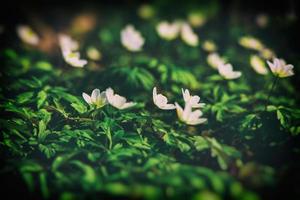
(251, 43)
(168, 31)
(188, 35)
(214, 60)
(161, 101)
(258, 65)
(193, 101)
(93, 54)
(100, 99)
(69, 49)
(226, 71)
(186, 115)
(97, 98)
(280, 68)
(132, 39)
(117, 101)
(27, 35)
(209, 46)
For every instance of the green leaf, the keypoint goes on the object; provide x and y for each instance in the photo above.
(24, 97)
(79, 107)
(41, 98)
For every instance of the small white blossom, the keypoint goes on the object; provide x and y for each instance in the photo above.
(209, 46)
(93, 53)
(117, 101)
(27, 35)
(132, 39)
(214, 60)
(280, 68)
(258, 65)
(226, 71)
(168, 31)
(73, 59)
(188, 116)
(98, 99)
(251, 43)
(69, 49)
(188, 35)
(161, 101)
(66, 43)
(193, 101)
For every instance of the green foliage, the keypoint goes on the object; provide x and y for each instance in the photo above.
(64, 148)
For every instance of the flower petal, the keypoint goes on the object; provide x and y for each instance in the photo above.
(87, 98)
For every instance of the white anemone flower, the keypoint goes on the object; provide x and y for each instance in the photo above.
(251, 43)
(209, 46)
(258, 65)
(27, 35)
(161, 101)
(226, 71)
(97, 98)
(214, 60)
(188, 116)
(73, 59)
(280, 69)
(93, 54)
(193, 101)
(117, 101)
(69, 48)
(168, 31)
(188, 35)
(132, 39)
(66, 43)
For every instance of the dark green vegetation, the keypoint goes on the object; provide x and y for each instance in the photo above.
(54, 145)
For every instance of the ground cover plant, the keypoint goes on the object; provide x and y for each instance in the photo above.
(135, 101)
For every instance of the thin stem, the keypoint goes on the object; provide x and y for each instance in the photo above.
(270, 92)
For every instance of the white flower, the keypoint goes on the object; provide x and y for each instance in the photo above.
(209, 46)
(188, 116)
(161, 101)
(258, 65)
(117, 101)
(27, 35)
(188, 35)
(93, 53)
(168, 31)
(214, 60)
(66, 43)
(193, 101)
(73, 59)
(98, 99)
(69, 49)
(280, 68)
(226, 71)
(131, 39)
(251, 43)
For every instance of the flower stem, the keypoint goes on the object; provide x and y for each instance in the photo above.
(270, 91)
